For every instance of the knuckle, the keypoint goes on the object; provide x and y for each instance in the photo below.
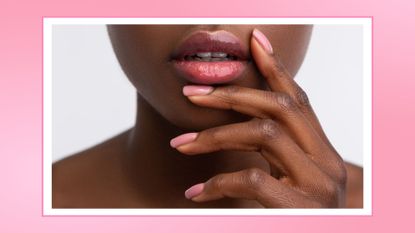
(285, 102)
(332, 192)
(331, 188)
(328, 192)
(337, 169)
(255, 178)
(213, 134)
(268, 129)
(302, 98)
(340, 175)
(218, 182)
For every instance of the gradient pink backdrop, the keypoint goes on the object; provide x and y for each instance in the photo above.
(21, 115)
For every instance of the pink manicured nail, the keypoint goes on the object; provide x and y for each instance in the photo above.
(183, 139)
(196, 90)
(262, 39)
(194, 190)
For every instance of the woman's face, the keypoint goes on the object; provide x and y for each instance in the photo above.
(146, 54)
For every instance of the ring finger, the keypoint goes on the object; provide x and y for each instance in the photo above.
(264, 136)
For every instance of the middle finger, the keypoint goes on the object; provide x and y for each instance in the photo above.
(260, 104)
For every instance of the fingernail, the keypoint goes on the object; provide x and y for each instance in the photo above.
(183, 139)
(262, 39)
(196, 90)
(194, 190)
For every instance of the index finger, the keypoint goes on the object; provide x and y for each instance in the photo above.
(280, 79)
(272, 68)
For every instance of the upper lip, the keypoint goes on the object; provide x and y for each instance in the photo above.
(205, 41)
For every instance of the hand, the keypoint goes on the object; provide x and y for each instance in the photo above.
(306, 171)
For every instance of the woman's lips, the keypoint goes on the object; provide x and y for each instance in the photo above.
(210, 72)
(210, 57)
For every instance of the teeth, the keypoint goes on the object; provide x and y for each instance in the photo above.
(210, 56)
(219, 54)
(207, 54)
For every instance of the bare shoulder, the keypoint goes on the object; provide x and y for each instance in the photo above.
(87, 178)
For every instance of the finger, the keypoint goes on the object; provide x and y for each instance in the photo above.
(264, 136)
(260, 104)
(280, 79)
(253, 184)
(274, 105)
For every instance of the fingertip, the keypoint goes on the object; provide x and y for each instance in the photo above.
(194, 191)
(183, 139)
(259, 54)
(262, 40)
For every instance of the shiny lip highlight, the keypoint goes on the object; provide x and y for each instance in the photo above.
(205, 41)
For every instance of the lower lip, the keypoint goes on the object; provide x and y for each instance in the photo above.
(217, 72)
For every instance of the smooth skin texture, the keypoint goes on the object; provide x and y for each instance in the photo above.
(254, 143)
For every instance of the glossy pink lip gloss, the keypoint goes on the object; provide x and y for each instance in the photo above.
(210, 72)
(223, 57)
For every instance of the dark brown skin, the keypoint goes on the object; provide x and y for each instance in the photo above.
(259, 143)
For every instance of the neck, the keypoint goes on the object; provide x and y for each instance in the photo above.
(151, 161)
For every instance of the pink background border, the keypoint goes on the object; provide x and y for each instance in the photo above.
(21, 117)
